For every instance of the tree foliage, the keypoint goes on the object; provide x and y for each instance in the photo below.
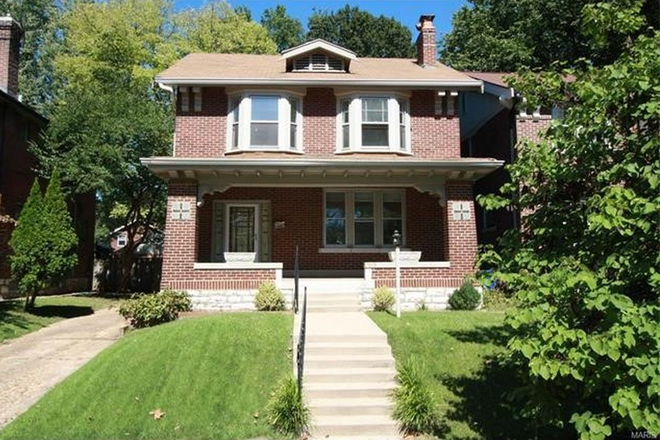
(217, 28)
(44, 242)
(505, 35)
(285, 30)
(586, 265)
(362, 32)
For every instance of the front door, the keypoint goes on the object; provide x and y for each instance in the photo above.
(242, 228)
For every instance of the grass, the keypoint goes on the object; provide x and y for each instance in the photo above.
(211, 376)
(15, 322)
(456, 349)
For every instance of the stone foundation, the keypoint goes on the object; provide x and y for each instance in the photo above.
(229, 300)
(412, 298)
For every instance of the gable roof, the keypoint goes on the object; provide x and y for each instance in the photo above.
(250, 69)
(319, 44)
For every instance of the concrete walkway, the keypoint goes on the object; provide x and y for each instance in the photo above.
(34, 363)
(349, 371)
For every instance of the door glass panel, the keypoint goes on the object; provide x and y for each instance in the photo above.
(241, 228)
(335, 218)
(363, 214)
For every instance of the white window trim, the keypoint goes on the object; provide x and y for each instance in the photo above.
(355, 124)
(283, 123)
(349, 200)
(257, 228)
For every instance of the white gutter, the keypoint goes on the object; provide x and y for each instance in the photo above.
(316, 82)
(165, 87)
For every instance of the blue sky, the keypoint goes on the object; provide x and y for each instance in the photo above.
(406, 11)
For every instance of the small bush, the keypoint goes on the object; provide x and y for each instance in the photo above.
(421, 306)
(383, 299)
(465, 298)
(269, 298)
(153, 309)
(286, 410)
(497, 299)
(415, 406)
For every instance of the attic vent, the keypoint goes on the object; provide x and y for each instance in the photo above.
(319, 63)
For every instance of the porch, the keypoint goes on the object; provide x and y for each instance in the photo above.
(231, 228)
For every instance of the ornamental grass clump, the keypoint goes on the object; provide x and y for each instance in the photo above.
(415, 405)
(287, 413)
(153, 309)
(383, 299)
(465, 298)
(269, 298)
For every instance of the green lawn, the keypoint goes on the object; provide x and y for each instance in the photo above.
(456, 349)
(15, 322)
(210, 376)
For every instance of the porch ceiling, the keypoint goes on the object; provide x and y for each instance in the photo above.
(217, 175)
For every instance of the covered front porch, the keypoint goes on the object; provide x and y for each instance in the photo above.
(234, 224)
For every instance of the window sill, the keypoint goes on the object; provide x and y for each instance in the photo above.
(373, 151)
(263, 150)
(356, 250)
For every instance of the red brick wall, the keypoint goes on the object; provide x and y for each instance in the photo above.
(460, 235)
(529, 128)
(416, 277)
(432, 136)
(203, 134)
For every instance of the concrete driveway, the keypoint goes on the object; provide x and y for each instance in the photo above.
(34, 363)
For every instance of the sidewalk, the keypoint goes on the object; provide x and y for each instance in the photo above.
(34, 363)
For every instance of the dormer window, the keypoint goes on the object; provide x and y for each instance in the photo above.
(264, 122)
(318, 63)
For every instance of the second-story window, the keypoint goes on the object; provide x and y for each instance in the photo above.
(264, 122)
(373, 123)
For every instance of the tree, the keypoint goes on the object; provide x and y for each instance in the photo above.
(217, 28)
(285, 30)
(39, 20)
(585, 268)
(362, 32)
(504, 35)
(43, 243)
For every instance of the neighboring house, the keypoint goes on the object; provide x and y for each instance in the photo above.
(493, 122)
(320, 149)
(148, 241)
(19, 126)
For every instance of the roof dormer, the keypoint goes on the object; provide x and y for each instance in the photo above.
(318, 56)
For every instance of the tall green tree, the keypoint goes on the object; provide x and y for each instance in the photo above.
(285, 30)
(44, 242)
(362, 32)
(39, 20)
(216, 27)
(505, 35)
(585, 267)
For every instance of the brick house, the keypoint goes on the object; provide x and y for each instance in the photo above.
(321, 149)
(19, 127)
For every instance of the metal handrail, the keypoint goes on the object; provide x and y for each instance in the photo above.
(300, 352)
(296, 276)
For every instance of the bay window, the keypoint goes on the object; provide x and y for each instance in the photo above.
(264, 122)
(362, 218)
(373, 123)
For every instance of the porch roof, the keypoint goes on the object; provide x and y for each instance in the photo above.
(204, 168)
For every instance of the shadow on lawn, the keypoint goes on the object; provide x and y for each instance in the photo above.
(486, 403)
(12, 313)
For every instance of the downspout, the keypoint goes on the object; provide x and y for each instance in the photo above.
(171, 90)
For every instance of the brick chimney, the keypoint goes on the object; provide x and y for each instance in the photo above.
(10, 41)
(426, 49)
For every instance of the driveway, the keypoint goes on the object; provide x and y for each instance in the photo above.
(34, 363)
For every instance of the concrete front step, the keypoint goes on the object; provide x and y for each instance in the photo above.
(349, 390)
(346, 348)
(335, 308)
(333, 302)
(378, 406)
(333, 338)
(349, 361)
(346, 375)
(354, 425)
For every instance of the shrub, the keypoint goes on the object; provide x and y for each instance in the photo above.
(269, 298)
(286, 410)
(153, 309)
(497, 299)
(415, 406)
(383, 299)
(465, 298)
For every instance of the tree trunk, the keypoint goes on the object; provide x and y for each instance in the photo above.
(33, 299)
(29, 300)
